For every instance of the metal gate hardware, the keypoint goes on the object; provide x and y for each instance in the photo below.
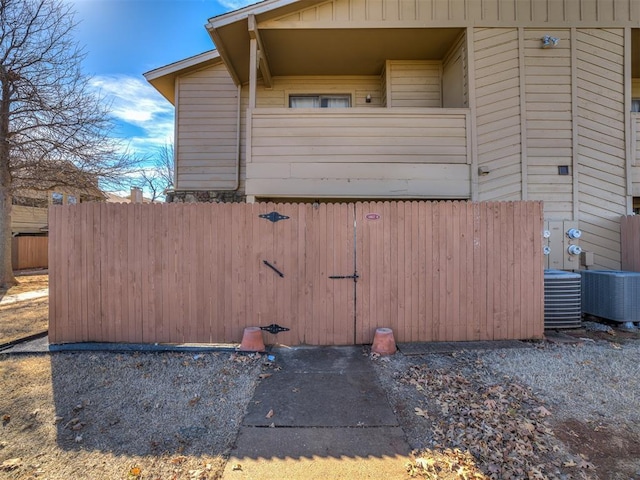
(355, 277)
(273, 216)
(273, 268)
(274, 328)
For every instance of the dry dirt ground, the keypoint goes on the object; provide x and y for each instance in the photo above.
(18, 320)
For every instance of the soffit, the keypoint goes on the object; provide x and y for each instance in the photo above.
(335, 51)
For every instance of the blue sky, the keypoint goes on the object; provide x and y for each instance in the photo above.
(124, 39)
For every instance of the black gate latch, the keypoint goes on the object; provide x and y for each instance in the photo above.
(274, 328)
(355, 277)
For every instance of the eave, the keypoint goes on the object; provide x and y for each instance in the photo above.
(163, 78)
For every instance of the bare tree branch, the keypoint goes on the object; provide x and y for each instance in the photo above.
(54, 130)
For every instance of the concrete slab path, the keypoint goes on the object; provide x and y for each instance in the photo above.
(322, 415)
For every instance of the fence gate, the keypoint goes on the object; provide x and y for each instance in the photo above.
(301, 249)
(329, 273)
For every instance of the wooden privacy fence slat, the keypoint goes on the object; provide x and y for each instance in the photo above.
(201, 273)
(630, 242)
(29, 252)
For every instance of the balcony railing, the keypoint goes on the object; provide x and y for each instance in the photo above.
(359, 152)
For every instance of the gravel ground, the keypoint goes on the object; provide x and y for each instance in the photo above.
(547, 411)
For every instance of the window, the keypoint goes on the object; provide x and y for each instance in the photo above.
(57, 198)
(635, 105)
(72, 200)
(319, 101)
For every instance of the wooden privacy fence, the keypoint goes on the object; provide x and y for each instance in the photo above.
(331, 273)
(630, 242)
(29, 252)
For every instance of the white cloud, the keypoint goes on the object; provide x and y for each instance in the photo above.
(236, 4)
(133, 102)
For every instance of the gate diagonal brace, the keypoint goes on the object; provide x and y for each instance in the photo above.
(280, 274)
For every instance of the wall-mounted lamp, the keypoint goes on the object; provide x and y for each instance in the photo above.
(368, 98)
(483, 171)
(549, 42)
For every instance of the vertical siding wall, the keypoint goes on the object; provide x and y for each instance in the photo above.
(497, 79)
(196, 273)
(29, 252)
(549, 131)
(601, 141)
(567, 105)
(630, 240)
(206, 115)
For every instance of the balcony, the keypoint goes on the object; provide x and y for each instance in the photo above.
(359, 153)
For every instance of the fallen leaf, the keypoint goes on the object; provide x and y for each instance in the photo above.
(270, 414)
(236, 467)
(570, 463)
(6, 419)
(178, 460)
(543, 412)
(11, 464)
(586, 465)
(264, 375)
(194, 400)
(421, 413)
(135, 472)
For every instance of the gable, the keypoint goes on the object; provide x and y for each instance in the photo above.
(471, 12)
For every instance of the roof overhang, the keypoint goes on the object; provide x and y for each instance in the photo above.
(164, 78)
(340, 51)
(319, 51)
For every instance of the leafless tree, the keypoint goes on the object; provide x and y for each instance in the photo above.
(54, 131)
(158, 177)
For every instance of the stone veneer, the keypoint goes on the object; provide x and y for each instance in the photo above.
(209, 196)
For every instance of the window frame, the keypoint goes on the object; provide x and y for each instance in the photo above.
(320, 97)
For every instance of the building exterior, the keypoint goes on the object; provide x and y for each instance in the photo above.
(419, 99)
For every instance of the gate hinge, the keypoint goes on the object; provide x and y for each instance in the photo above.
(273, 216)
(274, 328)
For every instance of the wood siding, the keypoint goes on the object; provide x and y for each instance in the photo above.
(431, 271)
(458, 12)
(455, 76)
(356, 86)
(549, 122)
(366, 153)
(497, 81)
(635, 153)
(29, 252)
(414, 84)
(601, 142)
(206, 136)
(28, 219)
(630, 240)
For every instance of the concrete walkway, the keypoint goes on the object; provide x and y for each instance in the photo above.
(21, 297)
(322, 415)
